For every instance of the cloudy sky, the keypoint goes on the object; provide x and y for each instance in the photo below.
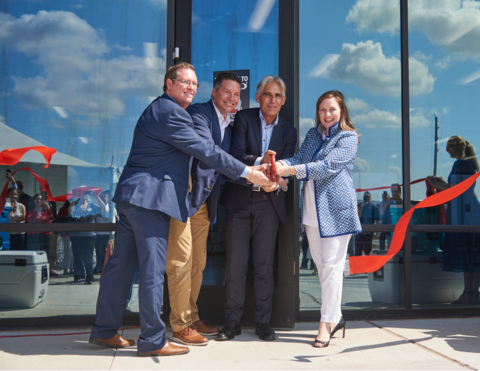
(76, 74)
(355, 47)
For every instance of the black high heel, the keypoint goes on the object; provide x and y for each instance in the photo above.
(324, 343)
(340, 325)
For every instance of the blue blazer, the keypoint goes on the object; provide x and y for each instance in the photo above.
(328, 163)
(205, 180)
(157, 172)
(246, 146)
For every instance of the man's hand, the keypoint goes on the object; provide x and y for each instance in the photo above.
(270, 188)
(267, 156)
(257, 175)
(284, 170)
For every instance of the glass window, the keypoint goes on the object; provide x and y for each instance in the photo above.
(75, 76)
(348, 46)
(232, 35)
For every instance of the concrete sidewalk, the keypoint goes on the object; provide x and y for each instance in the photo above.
(438, 344)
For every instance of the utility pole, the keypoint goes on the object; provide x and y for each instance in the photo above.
(436, 147)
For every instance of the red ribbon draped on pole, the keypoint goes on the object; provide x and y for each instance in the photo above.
(368, 264)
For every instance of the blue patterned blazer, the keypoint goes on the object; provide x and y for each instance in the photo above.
(328, 163)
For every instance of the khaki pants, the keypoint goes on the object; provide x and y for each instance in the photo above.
(186, 258)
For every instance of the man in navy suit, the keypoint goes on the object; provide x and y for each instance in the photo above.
(253, 212)
(152, 189)
(187, 242)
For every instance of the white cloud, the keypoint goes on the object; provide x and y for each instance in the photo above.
(376, 15)
(365, 66)
(378, 119)
(305, 125)
(361, 165)
(357, 104)
(323, 65)
(452, 24)
(387, 120)
(61, 112)
(77, 74)
(395, 170)
(470, 78)
(84, 140)
(444, 63)
(160, 4)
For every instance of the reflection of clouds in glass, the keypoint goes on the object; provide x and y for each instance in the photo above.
(443, 63)
(455, 25)
(376, 15)
(387, 120)
(365, 66)
(305, 125)
(77, 76)
(394, 170)
(324, 65)
(470, 78)
(160, 4)
(357, 104)
(260, 14)
(61, 112)
(361, 165)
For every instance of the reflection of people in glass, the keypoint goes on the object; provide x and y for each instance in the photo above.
(17, 215)
(389, 215)
(83, 243)
(330, 214)
(461, 251)
(368, 214)
(62, 217)
(41, 213)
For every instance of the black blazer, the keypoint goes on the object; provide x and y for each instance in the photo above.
(246, 146)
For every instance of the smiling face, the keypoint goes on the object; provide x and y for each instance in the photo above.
(13, 195)
(227, 96)
(329, 113)
(180, 91)
(271, 101)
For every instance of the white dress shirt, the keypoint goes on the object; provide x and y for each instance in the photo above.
(267, 131)
(224, 121)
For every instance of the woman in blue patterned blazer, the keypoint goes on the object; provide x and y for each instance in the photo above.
(330, 215)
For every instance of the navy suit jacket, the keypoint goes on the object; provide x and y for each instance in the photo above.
(205, 180)
(246, 146)
(157, 172)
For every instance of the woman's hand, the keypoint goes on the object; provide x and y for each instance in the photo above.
(284, 170)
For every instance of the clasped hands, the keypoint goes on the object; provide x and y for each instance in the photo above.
(266, 175)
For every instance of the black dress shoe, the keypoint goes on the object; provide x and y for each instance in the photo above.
(265, 332)
(229, 331)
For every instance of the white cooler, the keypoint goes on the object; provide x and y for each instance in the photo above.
(430, 284)
(23, 278)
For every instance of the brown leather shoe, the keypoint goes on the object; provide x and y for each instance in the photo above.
(114, 342)
(205, 330)
(168, 350)
(189, 336)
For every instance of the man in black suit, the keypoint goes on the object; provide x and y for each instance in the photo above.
(252, 212)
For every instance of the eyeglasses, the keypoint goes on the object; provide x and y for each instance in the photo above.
(188, 83)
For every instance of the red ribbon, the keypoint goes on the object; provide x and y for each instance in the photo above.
(368, 264)
(12, 156)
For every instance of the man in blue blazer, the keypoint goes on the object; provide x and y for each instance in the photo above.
(186, 252)
(152, 189)
(252, 212)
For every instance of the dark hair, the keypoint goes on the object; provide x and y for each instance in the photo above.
(222, 76)
(35, 196)
(66, 204)
(11, 189)
(172, 73)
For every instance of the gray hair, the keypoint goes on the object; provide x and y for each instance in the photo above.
(270, 78)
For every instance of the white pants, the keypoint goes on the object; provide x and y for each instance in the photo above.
(329, 256)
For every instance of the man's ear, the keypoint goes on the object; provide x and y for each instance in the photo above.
(257, 97)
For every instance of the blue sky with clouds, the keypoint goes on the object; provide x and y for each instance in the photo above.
(76, 74)
(354, 46)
